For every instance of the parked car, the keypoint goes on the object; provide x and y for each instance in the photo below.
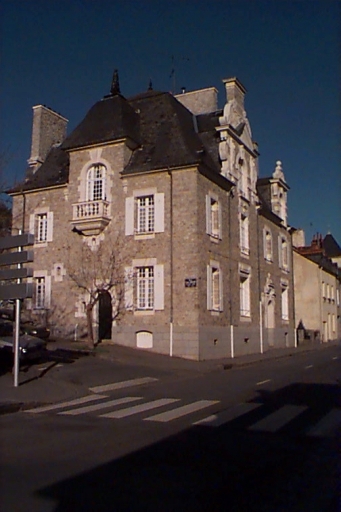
(30, 347)
(27, 326)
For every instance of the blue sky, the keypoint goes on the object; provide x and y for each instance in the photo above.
(286, 53)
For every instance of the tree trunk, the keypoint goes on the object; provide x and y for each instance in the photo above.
(91, 341)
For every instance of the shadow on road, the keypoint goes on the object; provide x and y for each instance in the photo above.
(50, 358)
(227, 468)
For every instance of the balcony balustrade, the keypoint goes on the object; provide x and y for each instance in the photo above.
(90, 217)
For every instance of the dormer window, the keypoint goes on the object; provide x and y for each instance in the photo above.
(95, 190)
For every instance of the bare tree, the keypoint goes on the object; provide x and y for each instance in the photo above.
(96, 269)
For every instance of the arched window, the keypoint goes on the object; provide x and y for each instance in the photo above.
(95, 190)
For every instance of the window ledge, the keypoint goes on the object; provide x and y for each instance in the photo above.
(215, 312)
(143, 236)
(215, 239)
(144, 312)
(244, 318)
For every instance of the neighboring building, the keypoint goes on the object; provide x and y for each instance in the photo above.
(206, 251)
(317, 284)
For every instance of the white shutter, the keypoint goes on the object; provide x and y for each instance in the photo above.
(47, 298)
(280, 252)
(129, 287)
(159, 301)
(220, 213)
(221, 289)
(209, 287)
(49, 226)
(129, 214)
(265, 254)
(159, 224)
(208, 215)
(31, 226)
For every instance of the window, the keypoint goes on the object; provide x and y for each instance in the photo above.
(41, 225)
(244, 291)
(145, 288)
(144, 213)
(285, 301)
(283, 253)
(267, 245)
(244, 234)
(213, 217)
(40, 292)
(214, 287)
(96, 183)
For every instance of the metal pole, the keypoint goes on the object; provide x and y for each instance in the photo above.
(17, 332)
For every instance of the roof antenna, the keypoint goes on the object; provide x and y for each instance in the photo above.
(115, 86)
(150, 86)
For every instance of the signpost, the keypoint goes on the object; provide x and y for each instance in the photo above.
(19, 290)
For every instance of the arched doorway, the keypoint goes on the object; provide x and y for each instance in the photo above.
(104, 316)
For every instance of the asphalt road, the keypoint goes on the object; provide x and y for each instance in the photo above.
(264, 437)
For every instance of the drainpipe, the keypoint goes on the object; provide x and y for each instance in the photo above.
(261, 342)
(171, 264)
(231, 194)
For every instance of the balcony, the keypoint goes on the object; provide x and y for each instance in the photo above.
(90, 217)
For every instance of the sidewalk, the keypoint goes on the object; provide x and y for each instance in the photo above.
(39, 386)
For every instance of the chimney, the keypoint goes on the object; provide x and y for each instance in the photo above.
(235, 92)
(48, 128)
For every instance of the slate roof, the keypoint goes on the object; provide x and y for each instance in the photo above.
(163, 131)
(54, 171)
(112, 118)
(331, 247)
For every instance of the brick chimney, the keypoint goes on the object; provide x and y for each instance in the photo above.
(48, 128)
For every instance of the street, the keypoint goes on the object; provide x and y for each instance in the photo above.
(260, 437)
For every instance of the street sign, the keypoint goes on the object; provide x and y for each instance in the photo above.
(16, 291)
(11, 258)
(8, 242)
(15, 273)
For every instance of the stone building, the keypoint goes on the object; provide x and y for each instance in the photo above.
(317, 286)
(171, 184)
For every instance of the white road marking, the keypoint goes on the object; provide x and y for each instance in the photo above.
(328, 425)
(335, 358)
(103, 405)
(230, 414)
(182, 411)
(122, 384)
(278, 419)
(263, 382)
(309, 366)
(77, 401)
(41, 369)
(123, 413)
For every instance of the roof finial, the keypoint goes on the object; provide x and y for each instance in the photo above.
(115, 86)
(150, 86)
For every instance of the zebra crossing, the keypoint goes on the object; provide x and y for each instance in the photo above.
(167, 409)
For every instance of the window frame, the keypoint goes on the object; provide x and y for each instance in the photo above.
(94, 191)
(145, 214)
(214, 287)
(245, 292)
